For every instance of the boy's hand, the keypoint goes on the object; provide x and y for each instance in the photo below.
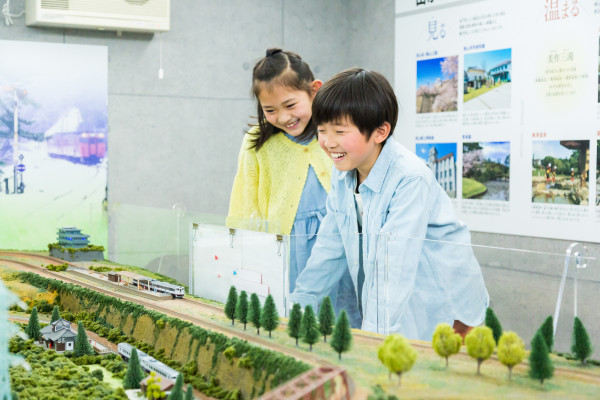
(461, 328)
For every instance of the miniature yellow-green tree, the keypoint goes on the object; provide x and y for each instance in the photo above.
(445, 341)
(480, 344)
(397, 355)
(153, 388)
(511, 350)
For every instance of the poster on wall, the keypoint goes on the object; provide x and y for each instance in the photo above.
(53, 142)
(503, 96)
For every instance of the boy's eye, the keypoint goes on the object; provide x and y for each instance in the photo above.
(268, 111)
(339, 132)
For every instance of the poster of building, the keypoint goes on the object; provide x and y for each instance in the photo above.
(515, 87)
(53, 142)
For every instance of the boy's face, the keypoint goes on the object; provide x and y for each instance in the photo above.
(286, 108)
(349, 148)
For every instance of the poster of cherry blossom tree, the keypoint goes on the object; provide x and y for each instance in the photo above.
(437, 85)
(486, 170)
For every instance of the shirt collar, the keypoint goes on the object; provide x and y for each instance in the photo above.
(375, 178)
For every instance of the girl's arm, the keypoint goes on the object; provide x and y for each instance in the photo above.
(243, 203)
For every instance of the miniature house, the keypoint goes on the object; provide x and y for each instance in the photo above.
(58, 336)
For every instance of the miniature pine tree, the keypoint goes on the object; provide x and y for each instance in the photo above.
(177, 391)
(153, 388)
(295, 322)
(254, 312)
(540, 365)
(397, 354)
(189, 393)
(445, 341)
(33, 327)
(547, 331)
(241, 309)
(82, 346)
(55, 314)
(326, 318)
(341, 339)
(511, 350)
(581, 346)
(480, 344)
(309, 331)
(269, 318)
(492, 322)
(230, 305)
(134, 374)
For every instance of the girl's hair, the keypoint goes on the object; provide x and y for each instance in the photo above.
(279, 68)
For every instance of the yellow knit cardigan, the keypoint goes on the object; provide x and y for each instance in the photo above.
(269, 182)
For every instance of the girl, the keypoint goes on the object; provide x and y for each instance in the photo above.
(283, 175)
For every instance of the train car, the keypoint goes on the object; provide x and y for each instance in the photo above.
(175, 291)
(81, 147)
(150, 364)
(125, 351)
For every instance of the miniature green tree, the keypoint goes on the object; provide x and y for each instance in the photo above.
(177, 391)
(547, 331)
(134, 374)
(511, 350)
(341, 339)
(480, 344)
(581, 346)
(397, 354)
(231, 304)
(241, 309)
(309, 331)
(189, 393)
(33, 327)
(540, 365)
(492, 322)
(82, 346)
(295, 322)
(254, 312)
(445, 341)
(326, 318)
(153, 388)
(269, 318)
(55, 314)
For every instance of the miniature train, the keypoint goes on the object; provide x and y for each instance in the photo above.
(148, 363)
(144, 282)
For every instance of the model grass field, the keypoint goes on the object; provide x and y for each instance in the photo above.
(428, 377)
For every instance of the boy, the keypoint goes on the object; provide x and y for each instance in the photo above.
(413, 266)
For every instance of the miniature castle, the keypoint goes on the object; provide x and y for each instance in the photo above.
(70, 236)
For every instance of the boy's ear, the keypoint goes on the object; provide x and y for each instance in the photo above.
(315, 86)
(382, 132)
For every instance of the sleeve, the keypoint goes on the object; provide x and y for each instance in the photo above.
(243, 204)
(326, 264)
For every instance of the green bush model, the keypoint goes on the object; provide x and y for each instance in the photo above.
(55, 314)
(492, 322)
(254, 312)
(153, 388)
(309, 331)
(269, 318)
(547, 331)
(397, 354)
(134, 373)
(511, 350)
(341, 339)
(177, 391)
(540, 365)
(33, 327)
(189, 393)
(326, 318)
(581, 346)
(241, 308)
(295, 322)
(480, 344)
(445, 341)
(231, 304)
(82, 346)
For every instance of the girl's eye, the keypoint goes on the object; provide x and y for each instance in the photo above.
(268, 111)
(291, 105)
(339, 132)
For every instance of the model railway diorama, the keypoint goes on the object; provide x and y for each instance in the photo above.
(243, 350)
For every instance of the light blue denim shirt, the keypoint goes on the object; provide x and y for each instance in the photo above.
(418, 263)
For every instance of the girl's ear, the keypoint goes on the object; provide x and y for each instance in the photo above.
(315, 86)
(382, 132)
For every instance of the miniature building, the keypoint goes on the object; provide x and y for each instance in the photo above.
(72, 237)
(444, 169)
(58, 336)
(130, 278)
(165, 384)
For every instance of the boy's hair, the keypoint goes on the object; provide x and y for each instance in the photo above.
(366, 98)
(279, 68)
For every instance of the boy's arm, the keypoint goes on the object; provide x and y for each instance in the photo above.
(243, 203)
(326, 264)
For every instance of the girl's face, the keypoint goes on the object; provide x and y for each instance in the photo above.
(286, 108)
